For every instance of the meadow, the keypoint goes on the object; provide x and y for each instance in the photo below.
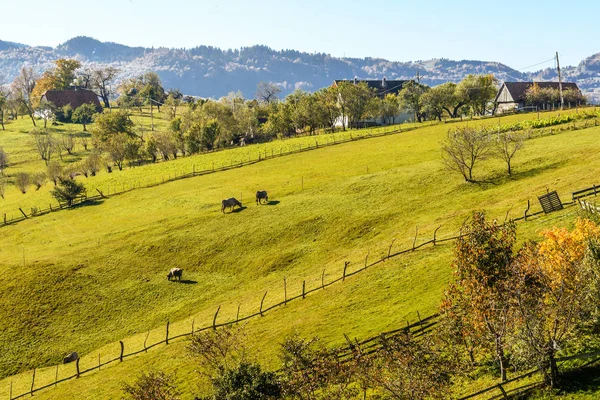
(82, 279)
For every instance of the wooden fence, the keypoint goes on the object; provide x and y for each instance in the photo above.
(261, 156)
(423, 324)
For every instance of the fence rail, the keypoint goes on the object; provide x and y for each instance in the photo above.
(262, 156)
(423, 324)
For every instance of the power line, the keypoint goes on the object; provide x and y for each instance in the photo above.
(535, 65)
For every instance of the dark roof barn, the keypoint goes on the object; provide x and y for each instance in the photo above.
(382, 86)
(75, 98)
(517, 90)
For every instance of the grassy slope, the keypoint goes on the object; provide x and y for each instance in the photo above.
(100, 269)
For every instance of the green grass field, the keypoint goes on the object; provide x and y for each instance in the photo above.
(84, 278)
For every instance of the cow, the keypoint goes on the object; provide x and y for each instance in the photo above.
(71, 357)
(231, 203)
(262, 195)
(175, 273)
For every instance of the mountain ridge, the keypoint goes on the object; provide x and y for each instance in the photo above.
(208, 71)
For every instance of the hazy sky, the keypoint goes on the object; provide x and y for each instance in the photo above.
(518, 33)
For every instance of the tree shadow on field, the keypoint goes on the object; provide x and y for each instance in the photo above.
(86, 203)
(503, 177)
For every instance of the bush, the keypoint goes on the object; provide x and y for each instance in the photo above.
(67, 191)
(152, 386)
(247, 381)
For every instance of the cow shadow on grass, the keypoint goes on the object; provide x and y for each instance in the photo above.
(237, 210)
(272, 203)
(187, 282)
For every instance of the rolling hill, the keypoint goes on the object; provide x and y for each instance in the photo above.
(212, 72)
(84, 278)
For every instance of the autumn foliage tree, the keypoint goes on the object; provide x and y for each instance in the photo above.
(555, 291)
(479, 300)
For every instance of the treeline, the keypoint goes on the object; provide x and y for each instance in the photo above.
(506, 309)
(549, 98)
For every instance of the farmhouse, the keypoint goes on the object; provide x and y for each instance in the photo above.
(382, 87)
(74, 97)
(511, 96)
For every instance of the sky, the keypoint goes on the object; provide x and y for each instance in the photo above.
(517, 33)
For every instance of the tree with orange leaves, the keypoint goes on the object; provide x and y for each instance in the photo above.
(555, 290)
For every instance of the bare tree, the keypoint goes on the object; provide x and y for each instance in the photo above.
(101, 81)
(84, 142)
(266, 92)
(38, 180)
(22, 180)
(3, 159)
(507, 145)
(44, 144)
(465, 146)
(54, 171)
(21, 89)
(68, 143)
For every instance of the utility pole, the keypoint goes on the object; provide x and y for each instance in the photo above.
(562, 100)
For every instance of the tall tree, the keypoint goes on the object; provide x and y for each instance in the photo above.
(22, 89)
(481, 295)
(267, 92)
(478, 91)
(411, 98)
(328, 100)
(101, 82)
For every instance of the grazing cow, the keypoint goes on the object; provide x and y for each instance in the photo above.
(231, 203)
(71, 357)
(262, 195)
(175, 273)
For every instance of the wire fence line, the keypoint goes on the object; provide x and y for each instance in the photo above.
(388, 253)
(262, 156)
(99, 194)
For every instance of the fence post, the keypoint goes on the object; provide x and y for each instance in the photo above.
(193, 320)
(261, 304)
(284, 291)
(98, 361)
(367, 258)
(122, 350)
(237, 316)
(215, 318)
(435, 234)
(389, 248)
(56, 376)
(148, 334)
(32, 382)
(415, 240)
(420, 321)
(10, 393)
(167, 334)
(323, 279)
(504, 395)
(303, 289)
(346, 263)
(526, 211)
(77, 367)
